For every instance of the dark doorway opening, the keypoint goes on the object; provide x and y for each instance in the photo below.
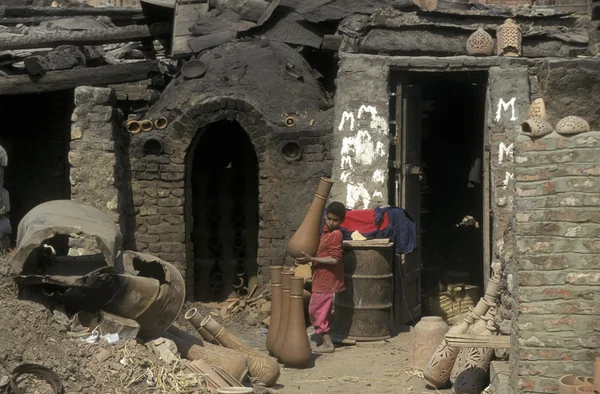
(224, 181)
(37, 145)
(442, 182)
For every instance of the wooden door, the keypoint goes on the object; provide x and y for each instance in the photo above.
(408, 181)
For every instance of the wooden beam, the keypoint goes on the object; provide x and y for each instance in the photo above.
(29, 11)
(70, 79)
(62, 58)
(36, 20)
(478, 341)
(87, 37)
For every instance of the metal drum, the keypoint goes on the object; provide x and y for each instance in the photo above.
(363, 311)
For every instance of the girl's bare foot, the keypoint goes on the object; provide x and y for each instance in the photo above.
(327, 346)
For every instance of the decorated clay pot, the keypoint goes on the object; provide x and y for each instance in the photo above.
(480, 43)
(509, 39)
(295, 351)
(429, 333)
(536, 127)
(275, 306)
(572, 125)
(306, 238)
(537, 109)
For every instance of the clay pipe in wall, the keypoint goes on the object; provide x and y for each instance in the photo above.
(161, 123)
(146, 125)
(243, 292)
(133, 126)
(238, 282)
(240, 270)
(194, 318)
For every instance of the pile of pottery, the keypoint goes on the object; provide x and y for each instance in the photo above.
(466, 368)
(537, 124)
(287, 339)
(508, 43)
(572, 384)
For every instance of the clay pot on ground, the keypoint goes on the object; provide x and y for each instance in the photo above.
(275, 306)
(285, 310)
(295, 351)
(572, 125)
(568, 384)
(509, 39)
(480, 43)
(597, 374)
(429, 333)
(195, 320)
(537, 109)
(536, 127)
(235, 390)
(306, 238)
(260, 365)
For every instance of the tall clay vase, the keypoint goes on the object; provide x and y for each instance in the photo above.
(194, 318)
(275, 307)
(285, 310)
(295, 351)
(429, 333)
(306, 238)
(260, 365)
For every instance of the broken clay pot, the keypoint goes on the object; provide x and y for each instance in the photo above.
(536, 127)
(509, 39)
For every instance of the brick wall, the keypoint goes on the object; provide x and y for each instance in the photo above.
(557, 225)
(95, 146)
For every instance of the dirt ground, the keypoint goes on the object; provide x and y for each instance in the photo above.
(30, 333)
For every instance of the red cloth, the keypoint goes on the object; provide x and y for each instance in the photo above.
(328, 278)
(363, 221)
(319, 310)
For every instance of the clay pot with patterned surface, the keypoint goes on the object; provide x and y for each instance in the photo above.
(429, 333)
(285, 310)
(509, 39)
(480, 43)
(260, 365)
(537, 109)
(536, 127)
(306, 238)
(572, 125)
(295, 351)
(275, 306)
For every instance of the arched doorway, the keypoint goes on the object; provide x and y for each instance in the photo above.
(224, 206)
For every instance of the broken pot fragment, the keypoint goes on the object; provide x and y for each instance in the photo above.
(153, 292)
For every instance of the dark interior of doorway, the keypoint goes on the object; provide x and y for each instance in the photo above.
(36, 132)
(452, 195)
(225, 212)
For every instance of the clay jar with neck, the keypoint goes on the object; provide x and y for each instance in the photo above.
(306, 238)
(286, 276)
(275, 306)
(295, 350)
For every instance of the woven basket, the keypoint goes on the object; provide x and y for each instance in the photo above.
(451, 303)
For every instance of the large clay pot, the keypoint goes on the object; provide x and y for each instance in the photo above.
(306, 238)
(260, 365)
(285, 310)
(275, 306)
(295, 351)
(429, 333)
(473, 364)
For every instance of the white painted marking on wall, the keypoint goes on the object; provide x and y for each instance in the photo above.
(377, 194)
(507, 179)
(356, 192)
(378, 176)
(364, 147)
(504, 150)
(573, 231)
(347, 145)
(344, 176)
(380, 149)
(377, 122)
(347, 162)
(503, 105)
(347, 115)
